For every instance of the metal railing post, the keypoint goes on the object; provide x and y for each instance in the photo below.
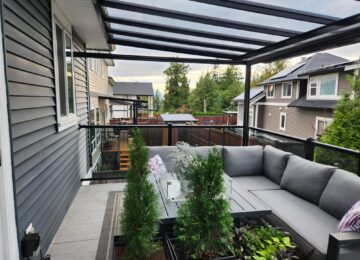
(358, 171)
(170, 127)
(223, 136)
(209, 138)
(309, 149)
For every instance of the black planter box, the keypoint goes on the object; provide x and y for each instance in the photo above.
(171, 254)
(119, 240)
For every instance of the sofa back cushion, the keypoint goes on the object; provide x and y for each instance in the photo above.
(274, 164)
(243, 160)
(203, 151)
(342, 191)
(305, 178)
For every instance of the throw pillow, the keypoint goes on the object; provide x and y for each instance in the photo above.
(351, 220)
(156, 165)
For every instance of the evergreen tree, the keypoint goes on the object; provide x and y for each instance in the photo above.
(139, 222)
(344, 131)
(205, 97)
(231, 85)
(158, 101)
(204, 225)
(177, 86)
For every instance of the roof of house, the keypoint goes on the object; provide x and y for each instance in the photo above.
(254, 92)
(317, 61)
(134, 88)
(306, 103)
(347, 65)
(178, 118)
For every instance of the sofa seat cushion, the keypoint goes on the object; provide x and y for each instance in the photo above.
(306, 219)
(203, 151)
(243, 160)
(256, 183)
(165, 152)
(342, 191)
(275, 162)
(305, 178)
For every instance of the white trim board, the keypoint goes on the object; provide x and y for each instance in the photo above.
(281, 104)
(8, 235)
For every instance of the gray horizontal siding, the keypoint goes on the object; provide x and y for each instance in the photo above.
(48, 164)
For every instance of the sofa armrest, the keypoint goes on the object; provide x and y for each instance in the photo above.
(336, 240)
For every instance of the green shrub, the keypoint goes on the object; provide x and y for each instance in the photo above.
(204, 225)
(139, 222)
(263, 242)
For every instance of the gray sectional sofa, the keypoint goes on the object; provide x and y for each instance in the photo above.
(307, 199)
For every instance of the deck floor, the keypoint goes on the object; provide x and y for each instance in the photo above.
(79, 233)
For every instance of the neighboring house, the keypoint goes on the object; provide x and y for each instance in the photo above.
(100, 87)
(44, 96)
(256, 94)
(100, 107)
(140, 91)
(300, 100)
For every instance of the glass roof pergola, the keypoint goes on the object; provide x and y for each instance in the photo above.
(239, 32)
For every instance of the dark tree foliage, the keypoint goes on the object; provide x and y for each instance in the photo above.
(344, 131)
(139, 222)
(177, 86)
(204, 225)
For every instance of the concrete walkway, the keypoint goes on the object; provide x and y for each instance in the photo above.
(79, 233)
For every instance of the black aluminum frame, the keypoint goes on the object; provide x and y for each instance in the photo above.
(333, 32)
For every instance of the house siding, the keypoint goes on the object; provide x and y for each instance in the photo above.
(343, 84)
(47, 164)
(299, 122)
(278, 89)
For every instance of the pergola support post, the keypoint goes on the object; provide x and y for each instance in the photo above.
(245, 140)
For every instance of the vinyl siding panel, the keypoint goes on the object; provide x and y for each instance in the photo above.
(48, 164)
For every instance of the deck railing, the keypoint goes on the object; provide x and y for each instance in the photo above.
(114, 138)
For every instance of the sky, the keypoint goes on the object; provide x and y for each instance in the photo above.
(153, 71)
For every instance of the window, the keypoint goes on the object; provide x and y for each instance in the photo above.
(286, 90)
(270, 91)
(323, 86)
(64, 77)
(282, 121)
(320, 125)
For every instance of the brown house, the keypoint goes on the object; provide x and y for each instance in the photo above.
(300, 100)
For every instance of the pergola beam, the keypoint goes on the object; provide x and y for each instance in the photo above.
(196, 18)
(186, 31)
(165, 47)
(325, 37)
(178, 40)
(272, 10)
(113, 56)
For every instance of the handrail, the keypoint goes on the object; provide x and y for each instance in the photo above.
(279, 135)
(158, 126)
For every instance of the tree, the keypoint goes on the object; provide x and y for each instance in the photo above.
(158, 101)
(268, 70)
(344, 131)
(204, 225)
(205, 97)
(230, 85)
(177, 86)
(139, 220)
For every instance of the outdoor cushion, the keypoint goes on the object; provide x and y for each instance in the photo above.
(305, 178)
(275, 162)
(165, 153)
(306, 219)
(243, 160)
(351, 220)
(342, 191)
(203, 151)
(256, 183)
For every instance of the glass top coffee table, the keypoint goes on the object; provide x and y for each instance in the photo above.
(242, 203)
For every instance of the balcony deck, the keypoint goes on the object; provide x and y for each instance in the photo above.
(79, 234)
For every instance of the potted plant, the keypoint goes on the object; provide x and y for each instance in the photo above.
(204, 227)
(139, 220)
(182, 158)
